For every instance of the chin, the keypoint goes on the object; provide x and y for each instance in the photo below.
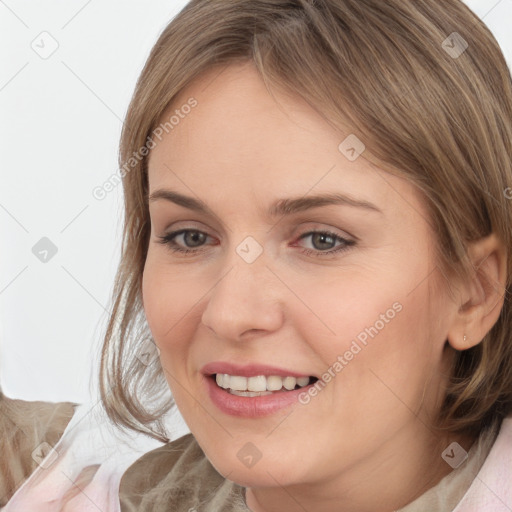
(255, 478)
(261, 474)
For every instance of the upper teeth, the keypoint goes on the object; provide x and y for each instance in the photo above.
(259, 383)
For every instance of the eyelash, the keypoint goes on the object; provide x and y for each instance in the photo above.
(168, 240)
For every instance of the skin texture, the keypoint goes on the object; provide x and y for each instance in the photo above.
(365, 442)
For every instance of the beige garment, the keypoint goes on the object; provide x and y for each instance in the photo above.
(25, 427)
(179, 478)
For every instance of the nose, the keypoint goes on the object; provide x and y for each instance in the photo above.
(245, 301)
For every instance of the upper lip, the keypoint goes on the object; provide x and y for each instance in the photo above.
(248, 370)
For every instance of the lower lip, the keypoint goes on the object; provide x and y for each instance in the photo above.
(251, 407)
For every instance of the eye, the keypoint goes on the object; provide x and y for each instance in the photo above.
(193, 239)
(321, 239)
(192, 236)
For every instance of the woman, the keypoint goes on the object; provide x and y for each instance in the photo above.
(317, 238)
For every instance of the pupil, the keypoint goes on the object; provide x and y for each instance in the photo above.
(322, 237)
(193, 237)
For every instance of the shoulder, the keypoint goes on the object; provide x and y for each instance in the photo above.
(177, 474)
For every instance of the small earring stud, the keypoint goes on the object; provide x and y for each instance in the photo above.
(465, 338)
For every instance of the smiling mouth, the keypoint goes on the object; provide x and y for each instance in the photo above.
(260, 385)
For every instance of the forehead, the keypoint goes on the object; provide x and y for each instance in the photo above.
(237, 117)
(241, 141)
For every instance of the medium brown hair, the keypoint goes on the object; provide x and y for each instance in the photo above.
(387, 72)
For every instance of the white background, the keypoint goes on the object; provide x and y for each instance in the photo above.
(60, 121)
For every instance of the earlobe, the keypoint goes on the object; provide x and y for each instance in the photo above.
(483, 294)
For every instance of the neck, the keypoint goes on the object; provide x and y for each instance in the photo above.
(401, 472)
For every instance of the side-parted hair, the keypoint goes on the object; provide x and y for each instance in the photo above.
(425, 86)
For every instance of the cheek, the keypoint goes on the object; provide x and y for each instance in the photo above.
(169, 302)
(364, 329)
(396, 365)
(332, 313)
(154, 297)
(169, 308)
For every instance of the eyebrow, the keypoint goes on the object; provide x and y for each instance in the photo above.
(280, 207)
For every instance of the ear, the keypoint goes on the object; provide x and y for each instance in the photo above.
(482, 296)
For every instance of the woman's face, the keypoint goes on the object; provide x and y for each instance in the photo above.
(341, 292)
